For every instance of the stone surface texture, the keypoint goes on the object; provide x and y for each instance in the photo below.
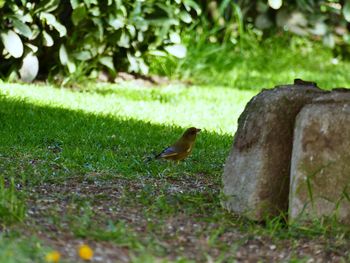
(320, 165)
(256, 173)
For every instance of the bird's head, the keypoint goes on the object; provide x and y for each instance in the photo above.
(191, 133)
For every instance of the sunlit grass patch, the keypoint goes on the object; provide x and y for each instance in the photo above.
(214, 109)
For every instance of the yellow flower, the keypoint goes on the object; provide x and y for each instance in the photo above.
(85, 252)
(53, 256)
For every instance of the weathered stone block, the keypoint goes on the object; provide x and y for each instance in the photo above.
(256, 174)
(320, 166)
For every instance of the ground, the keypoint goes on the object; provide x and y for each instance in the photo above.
(75, 161)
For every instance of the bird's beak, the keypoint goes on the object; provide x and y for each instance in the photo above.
(198, 130)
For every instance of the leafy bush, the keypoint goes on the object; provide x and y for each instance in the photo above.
(325, 20)
(89, 35)
(118, 34)
(26, 29)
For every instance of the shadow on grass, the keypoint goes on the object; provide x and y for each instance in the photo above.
(81, 142)
(96, 141)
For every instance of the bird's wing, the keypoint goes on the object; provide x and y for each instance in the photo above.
(167, 152)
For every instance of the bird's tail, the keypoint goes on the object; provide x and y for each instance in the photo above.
(152, 157)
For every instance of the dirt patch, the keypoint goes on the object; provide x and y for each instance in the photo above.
(83, 211)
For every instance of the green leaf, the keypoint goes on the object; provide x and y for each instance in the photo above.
(82, 55)
(90, 2)
(95, 11)
(2, 3)
(78, 14)
(165, 7)
(65, 60)
(275, 4)
(132, 30)
(346, 11)
(13, 43)
(27, 18)
(71, 66)
(52, 21)
(177, 50)
(74, 3)
(143, 67)
(185, 17)
(192, 4)
(124, 40)
(116, 23)
(63, 55)
(47, 39)
(108, 62)
(165, 22)
(133, 65)
(47, 6)
(99, 23)
(175, 38)
(157, 53)
(36, 31)
(22, 28)
(140, 36)
(32, 47)
(30, 68)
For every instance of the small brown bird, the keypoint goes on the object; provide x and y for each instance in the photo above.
(305, 83)
(181, 148)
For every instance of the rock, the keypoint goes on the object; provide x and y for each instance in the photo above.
(256, 174)
(320, 166)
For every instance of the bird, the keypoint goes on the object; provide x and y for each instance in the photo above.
(305, 83)
(181, 148)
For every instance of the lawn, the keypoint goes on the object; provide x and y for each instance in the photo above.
(77, 159)
(276, 60)
(74, 169)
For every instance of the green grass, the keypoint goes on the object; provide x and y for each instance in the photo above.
(100, 137)
(173, 105)
(14, 247)
(12, 207)
(78, 157)
(275, 60)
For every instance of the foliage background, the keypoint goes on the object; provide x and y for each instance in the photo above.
(64, 40)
